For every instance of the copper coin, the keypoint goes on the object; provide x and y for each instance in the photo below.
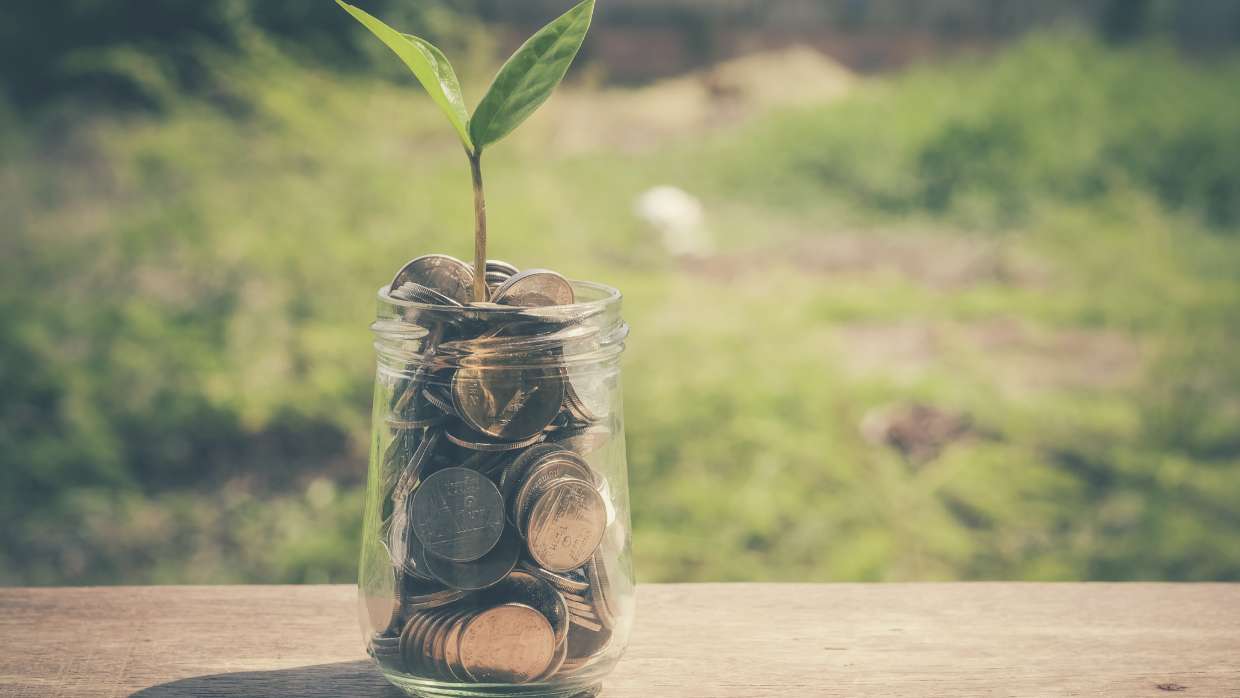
(561, 653)
(439, 272)
(430, 660)
(457, 514)
(565, 524)
(524, 588)
(584, 622)
(512, 643)
(439, 646)
(452, 649)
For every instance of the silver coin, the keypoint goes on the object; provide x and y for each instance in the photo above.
(501, 267)
(416, 465)
(588, 394)
(447, 275)
(509, 404)
(550, 467)
(439, 401)
(417, 293)
(483, 572)
(568, 587)
(457, 514)
(600, 589)
(535, 288)
(516, 470)
(462, 436)
(565, 524)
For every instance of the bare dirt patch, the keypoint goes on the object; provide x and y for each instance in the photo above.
(938, 261)
(1018, 357)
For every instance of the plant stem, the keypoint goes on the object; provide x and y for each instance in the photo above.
(480, 229)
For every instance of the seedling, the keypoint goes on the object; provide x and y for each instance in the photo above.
(524, 82)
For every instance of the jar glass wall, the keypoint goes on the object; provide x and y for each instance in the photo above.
(496, 548)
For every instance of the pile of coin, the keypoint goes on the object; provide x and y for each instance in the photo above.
(493, 519)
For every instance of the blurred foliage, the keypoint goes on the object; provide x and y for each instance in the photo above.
(138, 56)
(185, 366)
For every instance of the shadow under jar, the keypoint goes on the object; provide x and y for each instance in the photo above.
(496, 550)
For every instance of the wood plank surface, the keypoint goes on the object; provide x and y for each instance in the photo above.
(703, 640)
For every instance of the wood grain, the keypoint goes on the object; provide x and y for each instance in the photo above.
(708, 640)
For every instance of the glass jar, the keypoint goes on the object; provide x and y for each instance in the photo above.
(495, 556)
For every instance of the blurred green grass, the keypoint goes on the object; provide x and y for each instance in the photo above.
(1040, 247)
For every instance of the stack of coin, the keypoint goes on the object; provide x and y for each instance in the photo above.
(492, 516)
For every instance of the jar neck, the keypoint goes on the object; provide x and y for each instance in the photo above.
(586, 336)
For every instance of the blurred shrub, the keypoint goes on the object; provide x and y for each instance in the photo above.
(1052, 119)
(102, 49)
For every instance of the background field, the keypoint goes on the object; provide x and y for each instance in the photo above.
(974, 317)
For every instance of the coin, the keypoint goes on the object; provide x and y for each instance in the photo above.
(462, 436)
(588, 394)
(457, 514)
(580, 608)
(561, 653)
(535, 288)
(413, 469)
(439, 649)
(501, 267)
(550, 467)
(515, 471)
(525, 588)
(447, 275)
(601, 592)
(417, 293)
(568, 587)
(509, 404)
(452, 649)
(565, 524)
(430, 597)
(583, 622)
(481, 573)
(430, 661)
(440, 400)
(509, 643)
(585, 643)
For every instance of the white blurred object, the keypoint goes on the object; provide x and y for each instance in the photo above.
(678, 217)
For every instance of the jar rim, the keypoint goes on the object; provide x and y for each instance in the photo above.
(609, 296)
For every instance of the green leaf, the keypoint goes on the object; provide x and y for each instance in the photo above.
(528, 77)
(429, 66)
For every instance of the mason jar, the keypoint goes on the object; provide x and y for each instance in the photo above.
(495, 558)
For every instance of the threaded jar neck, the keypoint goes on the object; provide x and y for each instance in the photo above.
(588, 335)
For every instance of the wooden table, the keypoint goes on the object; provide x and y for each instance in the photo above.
(751, 640)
